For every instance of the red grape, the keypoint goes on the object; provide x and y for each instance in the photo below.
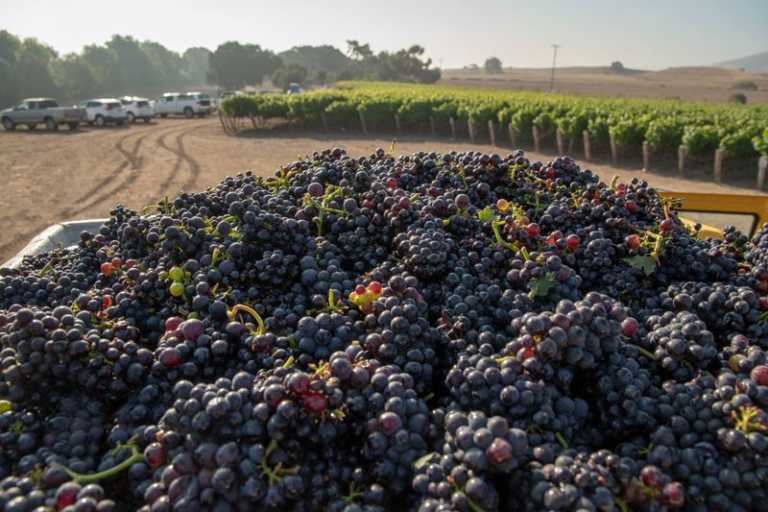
(651, 476)
(66, 495)
(631, 206)
(192, 329)
(666, 226)
(629, 327)
(375, 287)
(392, 183)
(170, 358)
(759, 375)
(499, 451)
(314, 403)
(533, 230)
(632, 241)
(106, 268)
(572, 242)
(172, 323)
(673, 494)
(155, 455)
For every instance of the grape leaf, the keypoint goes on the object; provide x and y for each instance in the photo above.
(540, 286)
(485, 214)
(645, 263)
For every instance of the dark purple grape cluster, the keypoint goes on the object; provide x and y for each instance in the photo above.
(681, 344)
(432, 332)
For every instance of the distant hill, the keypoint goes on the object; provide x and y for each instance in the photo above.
(757, 63)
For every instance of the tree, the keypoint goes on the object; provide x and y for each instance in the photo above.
(133, 65)
(73, 77)
(104, 67)
(34, 73)
(286, 75)
(316, 59)
(197, 62)
(404, 65)
(168, 69)
(234, 65)
(9, 82)
(617, 67)
(493, 65)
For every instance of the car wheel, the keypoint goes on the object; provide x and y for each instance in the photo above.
(32, 126)
(8, 124)
(131, 118)
(73, 126)
(147, 120)
(51, 125)
(163, 115)
(120, 123)
(100, 121)
(188, 113)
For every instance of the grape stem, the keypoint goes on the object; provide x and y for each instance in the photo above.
(136, 456)
(248, 309)
(274, 475)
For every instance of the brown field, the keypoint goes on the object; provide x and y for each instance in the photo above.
(694, 83)
(53, 177)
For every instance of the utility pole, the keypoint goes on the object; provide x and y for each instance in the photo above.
(554, 62)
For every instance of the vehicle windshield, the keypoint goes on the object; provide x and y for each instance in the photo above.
(142, 103)
(114, 104)
(47, 104)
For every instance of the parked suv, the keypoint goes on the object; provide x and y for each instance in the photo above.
(104, 111)
(34, 111)
(186, 104)
(137, 108)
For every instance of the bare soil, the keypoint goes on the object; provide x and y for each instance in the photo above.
(691, 83)
(47, 178)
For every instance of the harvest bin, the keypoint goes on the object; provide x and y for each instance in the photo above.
(66, 234)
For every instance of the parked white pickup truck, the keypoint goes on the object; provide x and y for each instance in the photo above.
(188, 104)
(34, 111)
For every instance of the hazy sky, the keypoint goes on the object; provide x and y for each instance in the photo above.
(649, 34)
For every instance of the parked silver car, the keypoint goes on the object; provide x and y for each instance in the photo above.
(34, 111)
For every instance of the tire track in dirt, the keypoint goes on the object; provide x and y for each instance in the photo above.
(182, 157)
(132, 159)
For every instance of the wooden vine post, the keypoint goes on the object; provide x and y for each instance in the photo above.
(492, 132)
(536, 141)
(682, 156)
(362, 123)
(512, 135)
(587, 145)
(720, 154)
(397, 124)
(471, 129)
(614, 151)
(432, 126)
(324, 119)
(646, 156)
(762, 167)
(452, 122)
(559, 136)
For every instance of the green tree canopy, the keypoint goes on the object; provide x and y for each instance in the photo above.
(197, 60)
(493, 65)
(286, 75)
(234, 65)
(316, 59)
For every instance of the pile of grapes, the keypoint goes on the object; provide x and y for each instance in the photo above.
(433, 332)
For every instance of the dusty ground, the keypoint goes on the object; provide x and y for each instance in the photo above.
(51, 177)
(695, 83)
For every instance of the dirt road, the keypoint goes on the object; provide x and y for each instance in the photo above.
(51, 177)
